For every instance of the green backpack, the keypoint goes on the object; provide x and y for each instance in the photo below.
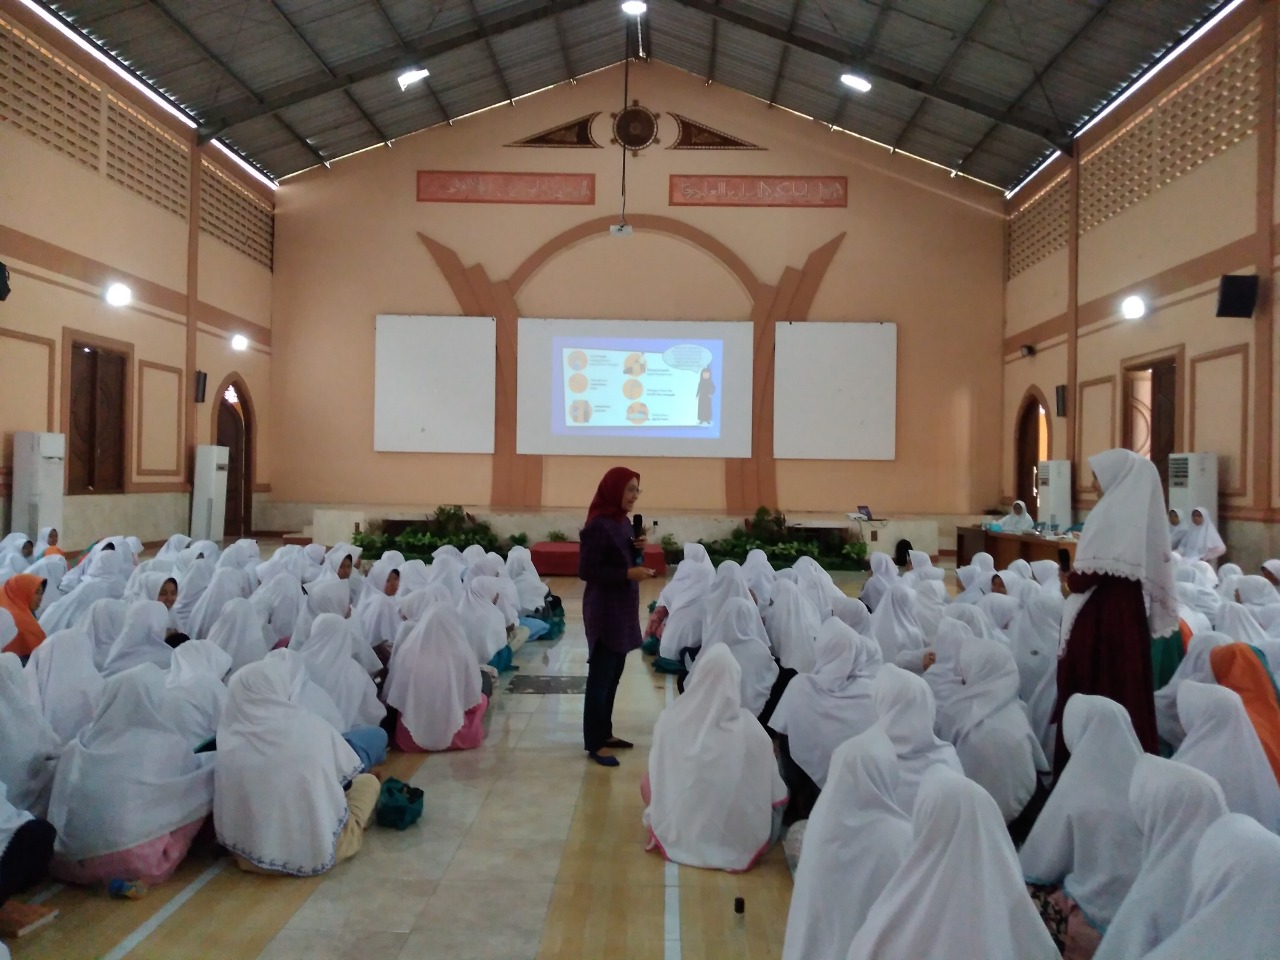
(399, 805)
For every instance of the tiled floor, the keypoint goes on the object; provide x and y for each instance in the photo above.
(524, 851)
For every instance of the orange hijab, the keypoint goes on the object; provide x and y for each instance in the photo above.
(1237, 667)
(16, 598)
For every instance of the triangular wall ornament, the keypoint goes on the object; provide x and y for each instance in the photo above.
(692, 135)
(574, 134)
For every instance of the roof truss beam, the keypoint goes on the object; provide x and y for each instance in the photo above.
(387, 61)
(839, 55)
(786, 54)
(488, 45)
(395, 32)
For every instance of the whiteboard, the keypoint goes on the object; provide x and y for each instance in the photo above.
(835, 391)
(434, 384)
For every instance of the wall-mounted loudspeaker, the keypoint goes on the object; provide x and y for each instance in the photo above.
(1060, 395)
(4, 282)
(1237, 295)
(202, 382)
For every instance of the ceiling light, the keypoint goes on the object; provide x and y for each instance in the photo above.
(239, 342)
(1133, 308)
(861, 84)
(118, 295)
(410, 77)
(633, 8)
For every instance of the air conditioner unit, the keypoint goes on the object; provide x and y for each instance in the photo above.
(209, 493)
(1053, 483)
(1193, 482)
(38, 480)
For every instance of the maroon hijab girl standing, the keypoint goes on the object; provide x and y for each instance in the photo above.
(610, 605)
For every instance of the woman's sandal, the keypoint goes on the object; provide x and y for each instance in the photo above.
(605, 761)
(617, 743)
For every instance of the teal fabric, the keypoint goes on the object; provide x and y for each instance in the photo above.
(650, 646)
(399, 805)
(501, 661)
(1267, 667)
(663, 665)
(538, 629)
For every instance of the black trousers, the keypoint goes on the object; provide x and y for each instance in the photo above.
(26, 858)
(604, 671)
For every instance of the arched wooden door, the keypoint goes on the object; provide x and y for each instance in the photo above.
(1027, 463)
(235, 426)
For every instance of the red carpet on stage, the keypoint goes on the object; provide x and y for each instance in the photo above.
(561, 559)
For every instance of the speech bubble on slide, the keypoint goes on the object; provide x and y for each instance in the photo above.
(686, 356)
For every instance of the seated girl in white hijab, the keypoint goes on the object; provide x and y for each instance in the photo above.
(1174, 805)
(129, 795)
(102, 622)
(1194, 667)
(818, 711)
(906, 713)
(192, 584)
(854, 613)
(435, 684)
(483, 623)
(228, 583)
(64, 682)
(921, 569)
(101, 581)
(29, 747)
(1259, 597)
(975, 584)
(1202, 540)
(194, 690)
(376, 616)
(856, 840)
(1222, 742)
(713, 793)
(959, 893)
(760, 576)
(792, 625)
(289, 796)
(691, 580)
(1234, 860)
(1177, 529)
(884, 574)
(51, 569)
(329, 654)
(241, 632)
(895, 626)
(1017, 520)
(141, 640)
(817, 585)
(322, 596)
(1048, 575)
(279, 601)
(740, 629)
(1085, 850)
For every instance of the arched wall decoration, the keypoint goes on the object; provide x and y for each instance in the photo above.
(1035, 395)
(517, 478)
(250, 418)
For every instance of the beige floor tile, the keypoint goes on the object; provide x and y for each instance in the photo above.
(495, 859)
(409, 855)
(480, 921)
(351, 901)
(334, 945)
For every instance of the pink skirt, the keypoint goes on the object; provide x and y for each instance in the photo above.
(151, 863)
(469, 736)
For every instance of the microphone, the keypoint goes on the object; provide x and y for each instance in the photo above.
(637, 531)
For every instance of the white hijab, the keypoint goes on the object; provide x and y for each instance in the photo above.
(821, 710)
(884, 574)
(1126, 535)
(529, 586)
(485, 627)
(1194, 666)
(329, 654)
(192, 584)
(1048, 575)
(792, 625)
(51, 570)
(433, 679)
(173, 546)
(129, 777)
(817, 585)
(64, 682)
(690, 582)
(1202, 542)
(228, 583)
(1235, 864)
(194, 691)
(1227, 574)
(756, 568)
(239, 630)
(729, 582)
(854, 613)
(713, 775)
(856, 840)
(377, 617)
(1002, 608)
(1014, 522)
(1174, 805)
(103, 622)
(280, 773)
(943, 676)
(905, 711)
(447, 571)
(279, 601)
(29, 747)
(740, 629)
(959, 892)
(65, 611)
(141, 639)
(1086, 839)
(1033, 639)
(1222, 742)
(1259, 597)
(975, 583)
(323, 596)
(896, 627)
(1240, 625)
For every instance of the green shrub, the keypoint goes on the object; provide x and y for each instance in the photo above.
(557, 536)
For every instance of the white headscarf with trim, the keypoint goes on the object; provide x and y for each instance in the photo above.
(433, 679)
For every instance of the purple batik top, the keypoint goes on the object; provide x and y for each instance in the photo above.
(610, 602)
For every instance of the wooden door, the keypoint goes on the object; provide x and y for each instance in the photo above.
(231, 434)
(1164, 416)
(1028, 456)
(96, 450)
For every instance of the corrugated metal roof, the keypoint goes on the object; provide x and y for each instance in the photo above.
(979, 85)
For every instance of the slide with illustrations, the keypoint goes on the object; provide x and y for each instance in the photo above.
(610, 386)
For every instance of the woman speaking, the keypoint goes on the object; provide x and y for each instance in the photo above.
(610, 605)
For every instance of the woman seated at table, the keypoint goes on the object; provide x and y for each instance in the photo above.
(436, 685)
(713, 792)
(129, 796)
(1017, 520)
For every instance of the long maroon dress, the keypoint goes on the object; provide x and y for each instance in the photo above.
(1109, 654)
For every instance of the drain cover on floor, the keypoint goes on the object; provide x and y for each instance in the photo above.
(528, 683)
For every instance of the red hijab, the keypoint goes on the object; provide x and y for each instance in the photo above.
(16, 596)
(608, 499)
